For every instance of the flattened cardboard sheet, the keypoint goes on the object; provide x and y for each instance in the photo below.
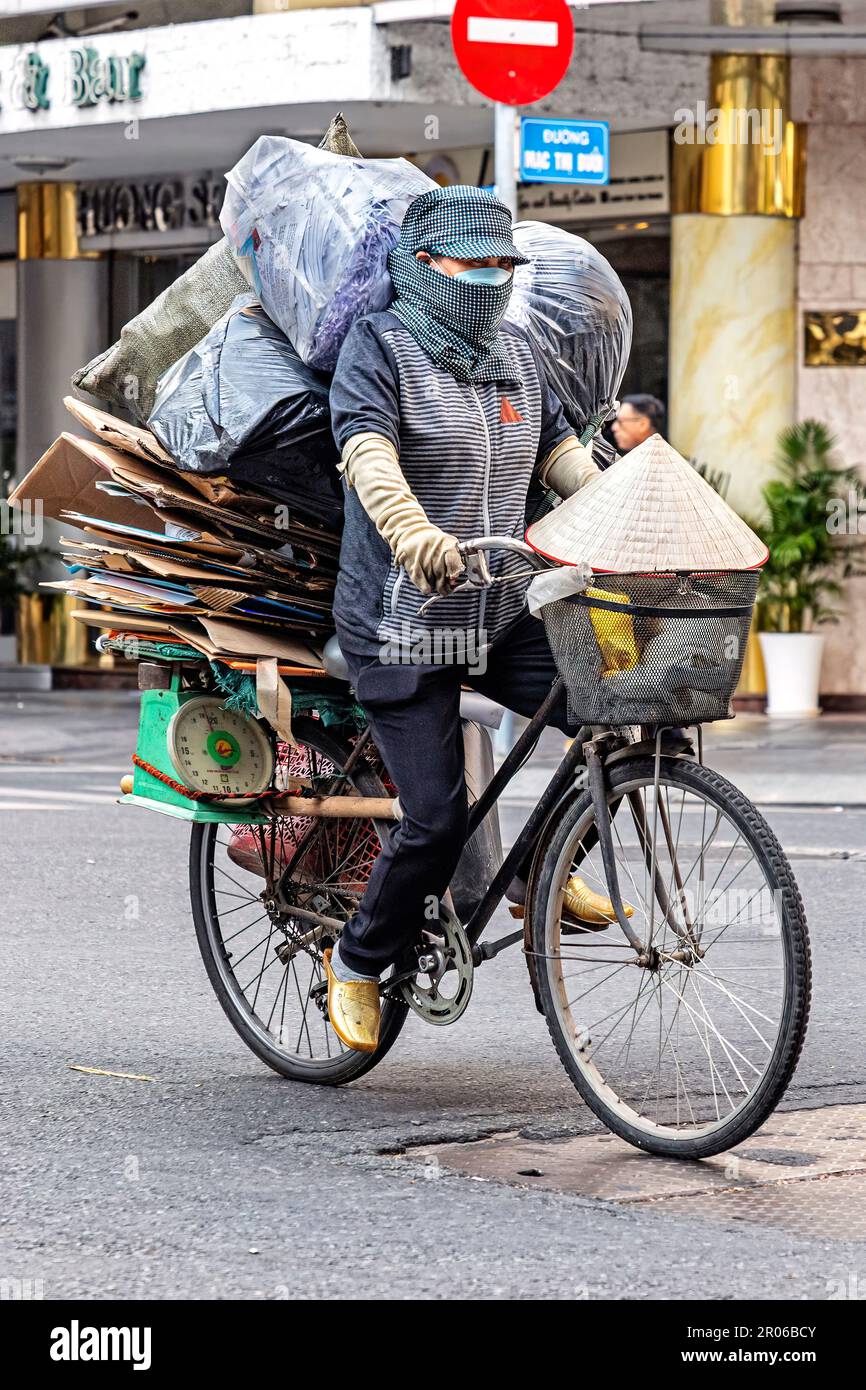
(120, 434)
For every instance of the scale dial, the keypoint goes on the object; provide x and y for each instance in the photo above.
(220, 751)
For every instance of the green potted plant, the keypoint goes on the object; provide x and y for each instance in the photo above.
(811, 531)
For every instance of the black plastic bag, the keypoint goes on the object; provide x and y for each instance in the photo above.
(242, 404)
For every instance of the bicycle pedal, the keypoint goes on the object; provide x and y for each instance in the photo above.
(575, 926)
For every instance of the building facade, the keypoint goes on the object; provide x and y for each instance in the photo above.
(115, 136)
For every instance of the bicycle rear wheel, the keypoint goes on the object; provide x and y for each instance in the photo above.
(265, 963)
(688, 1056)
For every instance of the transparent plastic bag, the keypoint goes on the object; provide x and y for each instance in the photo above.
(572, 304)
(317, 228)
(243, 404)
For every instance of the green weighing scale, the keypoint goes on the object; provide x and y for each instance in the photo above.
(192, 739)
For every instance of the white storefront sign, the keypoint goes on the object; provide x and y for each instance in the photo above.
(82, 77)
(246, 62)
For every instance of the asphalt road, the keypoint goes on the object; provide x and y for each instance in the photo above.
(218, 1179)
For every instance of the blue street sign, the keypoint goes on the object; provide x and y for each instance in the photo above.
(559, 151)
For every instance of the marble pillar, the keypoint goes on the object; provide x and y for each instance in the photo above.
(732, 344)
(827, 93)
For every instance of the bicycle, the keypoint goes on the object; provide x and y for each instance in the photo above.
(679, 1020)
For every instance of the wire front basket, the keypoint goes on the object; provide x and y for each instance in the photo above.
(653, 648)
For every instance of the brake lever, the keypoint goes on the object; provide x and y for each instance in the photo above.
(477, 570)
(435, 598)
(477, 576)
(473, 584)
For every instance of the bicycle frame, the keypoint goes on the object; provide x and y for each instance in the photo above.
(588, 752)
(559, 783)
(581, 767)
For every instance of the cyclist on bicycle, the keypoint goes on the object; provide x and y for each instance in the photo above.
(442, 415)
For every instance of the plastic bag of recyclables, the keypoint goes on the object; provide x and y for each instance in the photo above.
(313, 231)
(573, 305)
(126, 374)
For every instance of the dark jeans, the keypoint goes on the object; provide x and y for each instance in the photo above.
(414, 715)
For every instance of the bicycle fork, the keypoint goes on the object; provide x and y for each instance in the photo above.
(598, 787)
(594, 753)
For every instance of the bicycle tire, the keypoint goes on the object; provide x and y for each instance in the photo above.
(702, 782)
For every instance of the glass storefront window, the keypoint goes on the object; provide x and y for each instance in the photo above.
(138, 277)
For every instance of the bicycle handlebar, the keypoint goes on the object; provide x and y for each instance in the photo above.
(477, 572)
(481, 543)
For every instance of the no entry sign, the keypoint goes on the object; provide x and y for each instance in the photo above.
(513, 51)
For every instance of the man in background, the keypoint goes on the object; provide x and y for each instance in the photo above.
(637, 418)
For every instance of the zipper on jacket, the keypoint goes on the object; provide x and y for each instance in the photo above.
(395, 589)
(485, 500)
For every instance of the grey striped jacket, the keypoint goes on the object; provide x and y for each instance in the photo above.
(468, 453)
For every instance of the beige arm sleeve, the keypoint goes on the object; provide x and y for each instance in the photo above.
(428, 554)
(568, 467)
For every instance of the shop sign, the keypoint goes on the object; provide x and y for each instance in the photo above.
(88, 80)
(95, 79)
(639, 186)
(153, 205)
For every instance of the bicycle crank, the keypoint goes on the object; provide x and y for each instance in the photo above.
(442, 987)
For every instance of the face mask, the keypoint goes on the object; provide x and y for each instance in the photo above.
(480, 274)
(485, 275)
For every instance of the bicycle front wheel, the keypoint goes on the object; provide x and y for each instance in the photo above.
(687, 1055)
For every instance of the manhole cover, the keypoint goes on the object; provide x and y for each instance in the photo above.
(832, 1206)
(807, 1175)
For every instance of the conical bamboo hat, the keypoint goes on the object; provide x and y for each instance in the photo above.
(650, 512)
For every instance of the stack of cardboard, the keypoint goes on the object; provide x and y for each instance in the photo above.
(173, 557)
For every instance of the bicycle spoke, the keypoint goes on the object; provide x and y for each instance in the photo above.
(682, 1043)
(738, 1003)
(726, 1044)
(271, 960)
(597, 985)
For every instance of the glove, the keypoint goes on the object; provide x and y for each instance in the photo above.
(429, 555)
(568, 467)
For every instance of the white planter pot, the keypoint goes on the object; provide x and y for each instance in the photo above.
(792, 661)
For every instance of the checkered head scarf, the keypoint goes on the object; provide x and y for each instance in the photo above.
(456, 323)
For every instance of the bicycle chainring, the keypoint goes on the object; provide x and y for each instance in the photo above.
(440, 993)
